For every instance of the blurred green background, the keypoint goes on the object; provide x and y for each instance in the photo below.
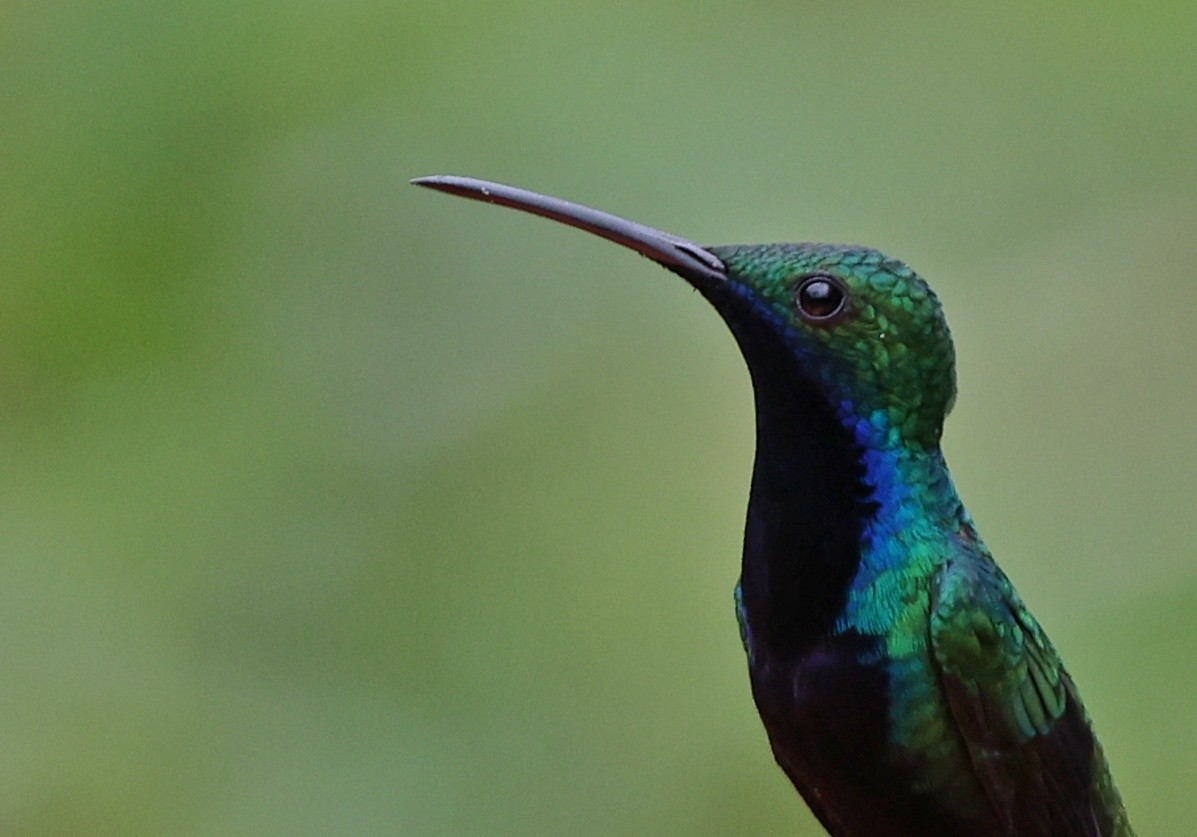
(334, 506)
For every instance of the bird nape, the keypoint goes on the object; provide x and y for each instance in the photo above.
(904, 686)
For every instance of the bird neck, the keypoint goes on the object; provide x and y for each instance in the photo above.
(833, 512)
(918, 522)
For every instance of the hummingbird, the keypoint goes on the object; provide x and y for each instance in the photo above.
(904, 686)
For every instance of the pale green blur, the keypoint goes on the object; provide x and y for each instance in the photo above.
(333, 506)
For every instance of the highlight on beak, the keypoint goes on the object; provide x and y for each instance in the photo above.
(676, 253)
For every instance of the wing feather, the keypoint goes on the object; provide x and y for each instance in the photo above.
(1025, 729)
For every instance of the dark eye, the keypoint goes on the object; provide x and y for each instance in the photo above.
(821, 298)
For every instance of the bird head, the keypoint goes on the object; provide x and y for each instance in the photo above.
(864, 327)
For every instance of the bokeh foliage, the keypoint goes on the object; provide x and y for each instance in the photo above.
(332, 506)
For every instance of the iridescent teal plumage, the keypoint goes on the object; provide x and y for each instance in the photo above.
(904, 686)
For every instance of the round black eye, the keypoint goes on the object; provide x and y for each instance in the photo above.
(820, 298)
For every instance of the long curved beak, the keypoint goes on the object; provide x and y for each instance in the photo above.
(694, 263)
